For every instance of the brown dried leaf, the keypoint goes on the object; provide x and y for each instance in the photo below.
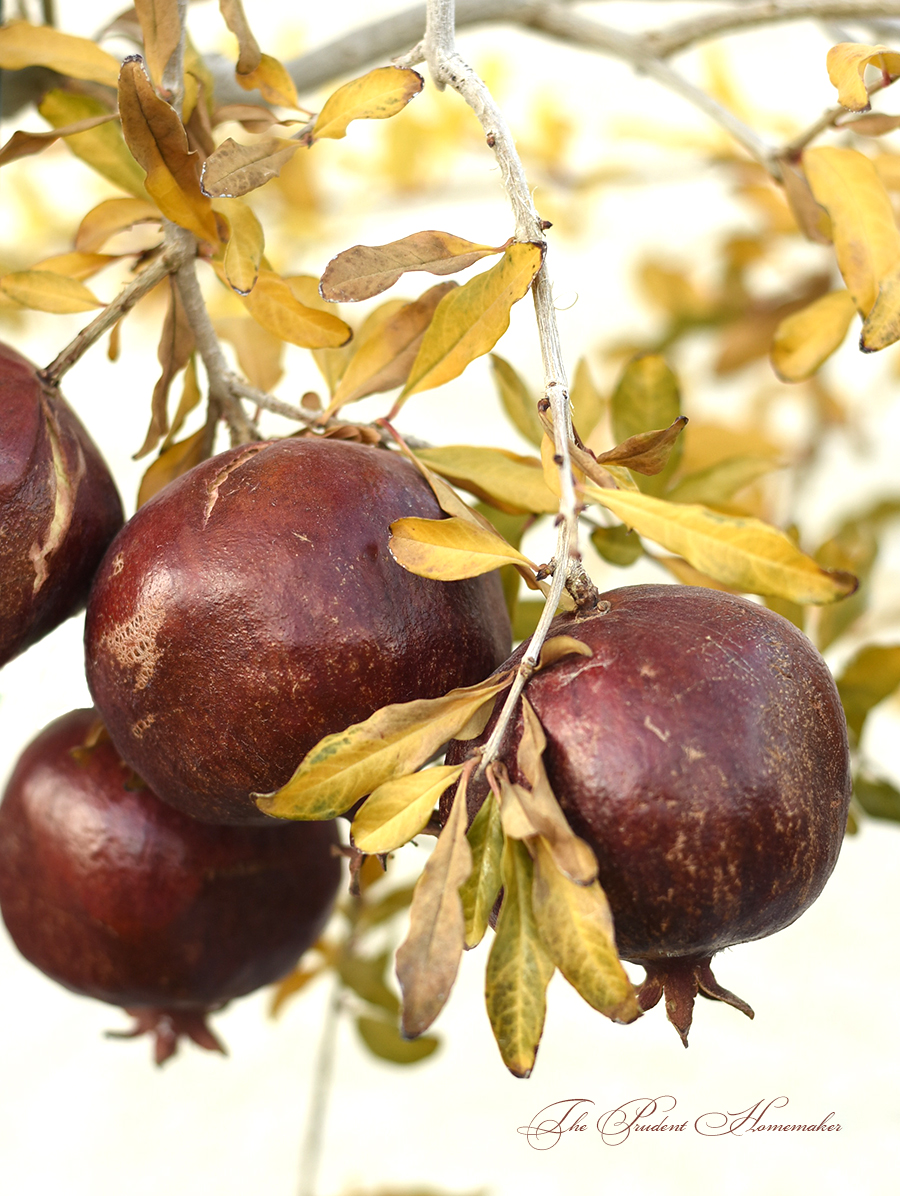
(158, 141)
(176, 344)
(647, 452)
(873, 124)
(576, 926)
(161, 28)
(234, 169)
(387, 347)
(190, 399)
(394, 741)
(110, 217)
(379, 94)
(367, 270)
(428, 960)
(812, 219)
(23, 144)
(23, 45)
(171, 463)
(233, 15)
(519, 967)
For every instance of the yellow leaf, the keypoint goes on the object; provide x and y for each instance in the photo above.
(398, 810)
(170, 464)
(24, 45)
(158, 141)
(449, 549)
(519, 967)
(190, 398)
(518, 402)
(43, 290)
(233, 169)
(76, 265)
(505, 480)
(394, 741)
(161, 28)
(480, 890)
(588, 404)
(470, 320)
(234, 17)
(367, 270)
(866, 240)
(847, 64)
(245, 245)
(272, 80)
(746, 554)
(379, 94)
(272, 304)
(882, 325)
(428, 959)
(111, 217)
(23, 144)
(386, 347)
(103, 148)
(807, 338)
(576, 926)
(259, 352)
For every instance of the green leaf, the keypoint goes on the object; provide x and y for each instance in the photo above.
(518, 402)
(480, 891)
(384, 1040)
(718, 483)
(647, 397)
(871, 676)
(617, 545)
(519, 967)
(365, 976)
(879, 798)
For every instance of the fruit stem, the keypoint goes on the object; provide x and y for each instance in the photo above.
(323, 1074)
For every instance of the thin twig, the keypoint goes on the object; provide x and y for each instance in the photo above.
(794, 147)
(311, 1151)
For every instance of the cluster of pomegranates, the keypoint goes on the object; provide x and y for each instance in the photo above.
(251, 608)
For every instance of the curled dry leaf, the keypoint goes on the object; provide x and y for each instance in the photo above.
(394, 741)
(22, 45)
(806, 339)
(428, 959)
(847, 64)
(22, 144)
(646, 452)
(367, 270)
(519, 967)
(646, 397)
(234, 169)
(576, 927)
(450, 549)
(387, 347)
(379, 94)
(176, 344)
(471, 319)
(234, 17)
(744, 553)
(158, 141)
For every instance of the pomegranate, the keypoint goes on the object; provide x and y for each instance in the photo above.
(59, 507)
(116, 895)
(702, 753)
(253, 607)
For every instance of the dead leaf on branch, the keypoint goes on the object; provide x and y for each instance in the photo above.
(847, 64)
(233, 169)
(379, 94)
(428, 959)
(176, 344)
(23, 144)
(471, 319)
(234, 17)
(646, 452)
(156, 137)
(23, 45)
(366, 270)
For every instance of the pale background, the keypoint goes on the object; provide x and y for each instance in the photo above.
(81, 1115)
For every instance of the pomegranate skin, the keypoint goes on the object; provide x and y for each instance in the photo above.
(59, 507)
(702, 753)
(253, 607)
(117, 896)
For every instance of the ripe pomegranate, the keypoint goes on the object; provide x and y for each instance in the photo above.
(702, 753)
(253, 607)
(116, 895)
(59, 507)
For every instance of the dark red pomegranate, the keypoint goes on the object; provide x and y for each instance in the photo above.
(118, 896)
(702, 753)
(253, 607)
(59, 507)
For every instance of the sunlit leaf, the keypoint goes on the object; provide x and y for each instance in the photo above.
(379, 94)
(103, 148)
(384, 1040)
(77, 264)
(471, 319)
(866, 239)
(847, 64)
(394, 741)
(483, 884)
(576, 926)
(272, 303)
(745, 553)
(399, 810)
(245, 245)
(519, 967)
(449, 549)
(45, 290)
(23, 144)
(518, 402)
(428, 959)
(871, 676)
(271, 79)
(158, 141)
(260, 353)
(367, 270)
(161, 28)
(646, 398)
(882, 325)
(110, 217)
(387, 347)
(807, 338)
(23, 45)
(172, 462)
(510, 482)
